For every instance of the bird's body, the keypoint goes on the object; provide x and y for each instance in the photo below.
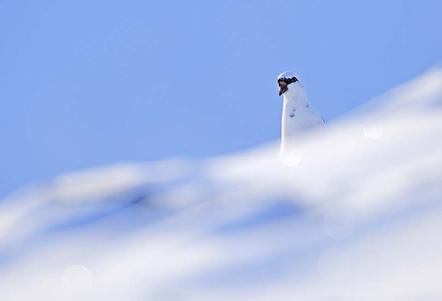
(297, 113)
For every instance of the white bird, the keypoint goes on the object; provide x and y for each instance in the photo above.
(297, 113)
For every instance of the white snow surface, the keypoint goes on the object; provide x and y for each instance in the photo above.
(352, 212)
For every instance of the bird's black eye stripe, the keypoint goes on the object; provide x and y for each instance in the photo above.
(288, 80)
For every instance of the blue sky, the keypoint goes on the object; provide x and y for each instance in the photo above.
(87, 83)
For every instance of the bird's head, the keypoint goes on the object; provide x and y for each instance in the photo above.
(284, 80)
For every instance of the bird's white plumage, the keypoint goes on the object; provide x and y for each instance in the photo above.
(297, 113)
(286, 75)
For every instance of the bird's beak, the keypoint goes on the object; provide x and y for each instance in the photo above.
(282, 87)
(282, 90)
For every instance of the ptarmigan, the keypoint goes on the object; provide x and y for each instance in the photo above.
(297, 113)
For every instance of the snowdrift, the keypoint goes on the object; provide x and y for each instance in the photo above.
(352, 211)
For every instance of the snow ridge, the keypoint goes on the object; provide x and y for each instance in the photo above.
(352, 212)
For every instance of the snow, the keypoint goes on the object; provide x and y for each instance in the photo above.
(352, 212)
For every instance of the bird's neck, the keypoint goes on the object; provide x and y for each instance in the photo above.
(295, 97)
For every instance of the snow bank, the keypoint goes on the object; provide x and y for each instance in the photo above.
(353, 212)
